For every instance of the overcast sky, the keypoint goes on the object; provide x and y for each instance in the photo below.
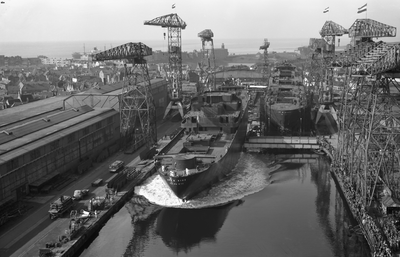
(84, 20)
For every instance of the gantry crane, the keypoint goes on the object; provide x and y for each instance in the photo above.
(206, 74)
(137, 109)
(264, 71)
(329, 32)
(367, 156)
(371, 112)
(174, 24)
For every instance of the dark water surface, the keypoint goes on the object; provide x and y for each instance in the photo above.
(272, 209)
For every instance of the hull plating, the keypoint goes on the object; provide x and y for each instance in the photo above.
(296, 122)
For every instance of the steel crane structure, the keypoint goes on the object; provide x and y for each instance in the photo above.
(175, 25)
(367, 157)
(137, 109)
(325, 47)
(208, 62)
(264, 71)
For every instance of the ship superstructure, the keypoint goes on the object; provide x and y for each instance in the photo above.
(287, 105)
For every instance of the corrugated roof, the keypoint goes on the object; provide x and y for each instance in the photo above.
(48, 121)
(44, 136)
(33, 108)
(6, 126)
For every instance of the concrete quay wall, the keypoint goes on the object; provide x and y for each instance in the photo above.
(106, 215)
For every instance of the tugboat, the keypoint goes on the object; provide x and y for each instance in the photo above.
(208, 145)
(287, 105)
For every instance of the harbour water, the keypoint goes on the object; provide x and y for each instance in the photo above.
(268, 206)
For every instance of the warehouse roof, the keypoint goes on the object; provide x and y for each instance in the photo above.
(22, 145)
(30, 109)
(45, 122)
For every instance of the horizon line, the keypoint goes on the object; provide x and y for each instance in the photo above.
(140, 41)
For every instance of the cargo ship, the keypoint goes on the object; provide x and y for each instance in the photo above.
(287, 105)
(208, 145)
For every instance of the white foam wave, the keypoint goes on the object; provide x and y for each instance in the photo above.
(251, 175)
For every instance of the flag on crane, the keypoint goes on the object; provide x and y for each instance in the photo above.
(326, 10)
(173, 6)
(362, 9)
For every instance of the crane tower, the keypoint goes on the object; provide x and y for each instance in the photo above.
(330, 30)
(174, 24)
(137, 109)
(265, 47)
(208, 57)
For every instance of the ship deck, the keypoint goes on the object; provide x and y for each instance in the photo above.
(218, 146)
(285, 107)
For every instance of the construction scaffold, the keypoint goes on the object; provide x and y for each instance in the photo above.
(366, 160)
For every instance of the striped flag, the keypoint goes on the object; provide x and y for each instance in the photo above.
(362, 9)
(326, 10)
(173, 6)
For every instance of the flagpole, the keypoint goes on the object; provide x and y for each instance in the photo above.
(363, 9)
(327, 10)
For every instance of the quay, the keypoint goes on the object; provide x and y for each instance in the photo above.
(364, 152)
(379, 232)
(54, 241)
(361, 87)
(66, 236)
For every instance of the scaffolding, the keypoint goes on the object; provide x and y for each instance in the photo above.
(366, 160)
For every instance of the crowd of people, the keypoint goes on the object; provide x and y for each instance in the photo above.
(382, 237)
(390, 230)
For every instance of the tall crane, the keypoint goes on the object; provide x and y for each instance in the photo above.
(174, 24)
(330, 30)
(265, 47)
(372, 69)
(367, 156)
(207, 77)
(137, 109)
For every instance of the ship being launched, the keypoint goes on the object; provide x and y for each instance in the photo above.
(208, 145)
(287, 105)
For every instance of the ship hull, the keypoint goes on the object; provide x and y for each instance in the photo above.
(188, 186)
(296, 122)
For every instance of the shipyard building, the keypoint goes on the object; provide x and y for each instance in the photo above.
(58, 136)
